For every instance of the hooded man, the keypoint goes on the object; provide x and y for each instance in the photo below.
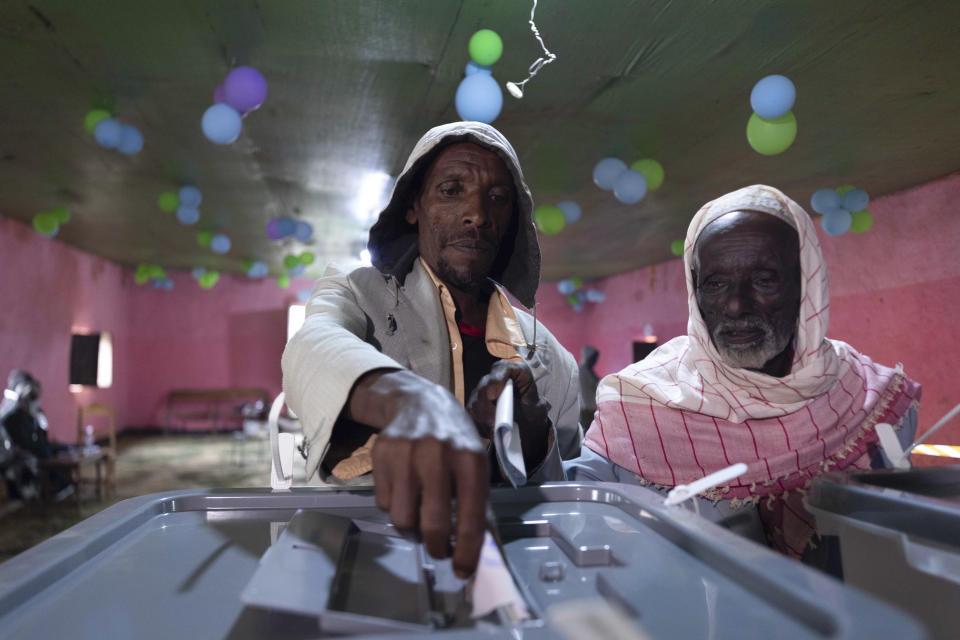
(754, 381)
(398, 366)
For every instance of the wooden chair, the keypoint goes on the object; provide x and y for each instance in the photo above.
(102, 430)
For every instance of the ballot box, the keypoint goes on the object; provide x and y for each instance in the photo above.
(313, 562)
(899, 536)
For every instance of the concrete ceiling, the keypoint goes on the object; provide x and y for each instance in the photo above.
(353, 84)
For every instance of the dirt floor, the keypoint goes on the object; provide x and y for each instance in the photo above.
(147, 464)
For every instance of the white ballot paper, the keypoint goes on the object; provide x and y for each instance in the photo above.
(506, 439)
(492, 586)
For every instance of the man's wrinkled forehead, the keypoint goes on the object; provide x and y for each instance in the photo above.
(754, 223)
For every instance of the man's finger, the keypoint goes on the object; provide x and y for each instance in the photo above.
(404, 491)
(471, 474)
(433, 462)
(382, 481)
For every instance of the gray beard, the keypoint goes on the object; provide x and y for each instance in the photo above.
(753, 355)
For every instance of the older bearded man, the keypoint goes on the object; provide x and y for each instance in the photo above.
(754, 381)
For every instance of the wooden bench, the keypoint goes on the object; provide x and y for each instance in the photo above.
(210, 405)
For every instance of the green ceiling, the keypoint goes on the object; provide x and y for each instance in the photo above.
(353, 84)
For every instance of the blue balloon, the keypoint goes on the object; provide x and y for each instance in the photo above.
(197, 272)
(107, 133)
(131, 140)
(479, 98)
(595, 295)
(303, 231)
(221, 124)
(630, 187)
(286, 227)
(257, 270)
(773, 97)
(187, 215)
(473, 67)
(836, 222)
(566, 287)
(303, 295)
(220, 243)
(157, 284)
(606, 172)
(166, 285)
(571, 210)
(190, 196)
(578, 307)
(855, 200)
(824, 200)
(296, 271)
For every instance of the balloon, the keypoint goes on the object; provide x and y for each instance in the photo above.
(286, 227)
(651, 170)
(168, 201)
(62, 214)
(824, 200)
(273, 229)
(861, 221)
(303, 231)
(219, 95)
(595, 295)
(855, 200)
(296, 271)
(283, 281)
(479, 98)
(578, 307)
(773, 97)
(221, 124)
(770, 137)
(245, 264)
(156, 272)
(606, 172)
(45, 223)
(307, 257)
(573, 299)
(204, 238)
(303, 295)
(220, 243)
(630, 187)
(676, 247)
(131, 140)
(566, 287)
(157, 284)
(842, 191)
(190, 196)
(549, 219)
(577, 282)
(485, 47)
(166, 284)
(141, 276)
(93, 117)
(571, 210)
(107, 133)
(836, 222)
(473, 67)
(245, 89)
(209, 279)
(257, 270)
(187, 215)
(198, 272)
(290, 261)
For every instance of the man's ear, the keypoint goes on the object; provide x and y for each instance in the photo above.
(413, 212)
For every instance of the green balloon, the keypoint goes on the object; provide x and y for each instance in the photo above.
(168, 201)
(93, 117)
(246, 264)
(208, 279)
(549, 219)
(770, 137)
(290, 261)
(204, 238)
(573, 299)
(283, 281)
(307, 258)
(157, 273)
(862, 221)
(141, 276)
(45, 223)
(842, 191)
(577, 283)
(62, 214)
(485, 47)
(676, 247)
(651, 170)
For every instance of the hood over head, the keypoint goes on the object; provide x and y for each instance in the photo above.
(393, 240)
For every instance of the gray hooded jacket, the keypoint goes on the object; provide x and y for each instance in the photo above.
(390, 315)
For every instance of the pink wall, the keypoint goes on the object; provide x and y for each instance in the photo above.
(230, 336)
(895, 295)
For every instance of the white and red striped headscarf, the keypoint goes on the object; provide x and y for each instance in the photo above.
(682, 413)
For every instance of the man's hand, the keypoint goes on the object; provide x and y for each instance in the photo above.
(531, 412)
(428, 452)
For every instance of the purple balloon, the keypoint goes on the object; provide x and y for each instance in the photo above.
(245, 89)
(273, 229)
(219, 95)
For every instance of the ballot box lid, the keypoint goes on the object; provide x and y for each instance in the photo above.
(181, 564)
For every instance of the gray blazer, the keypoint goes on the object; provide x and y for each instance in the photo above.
(365, 320)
